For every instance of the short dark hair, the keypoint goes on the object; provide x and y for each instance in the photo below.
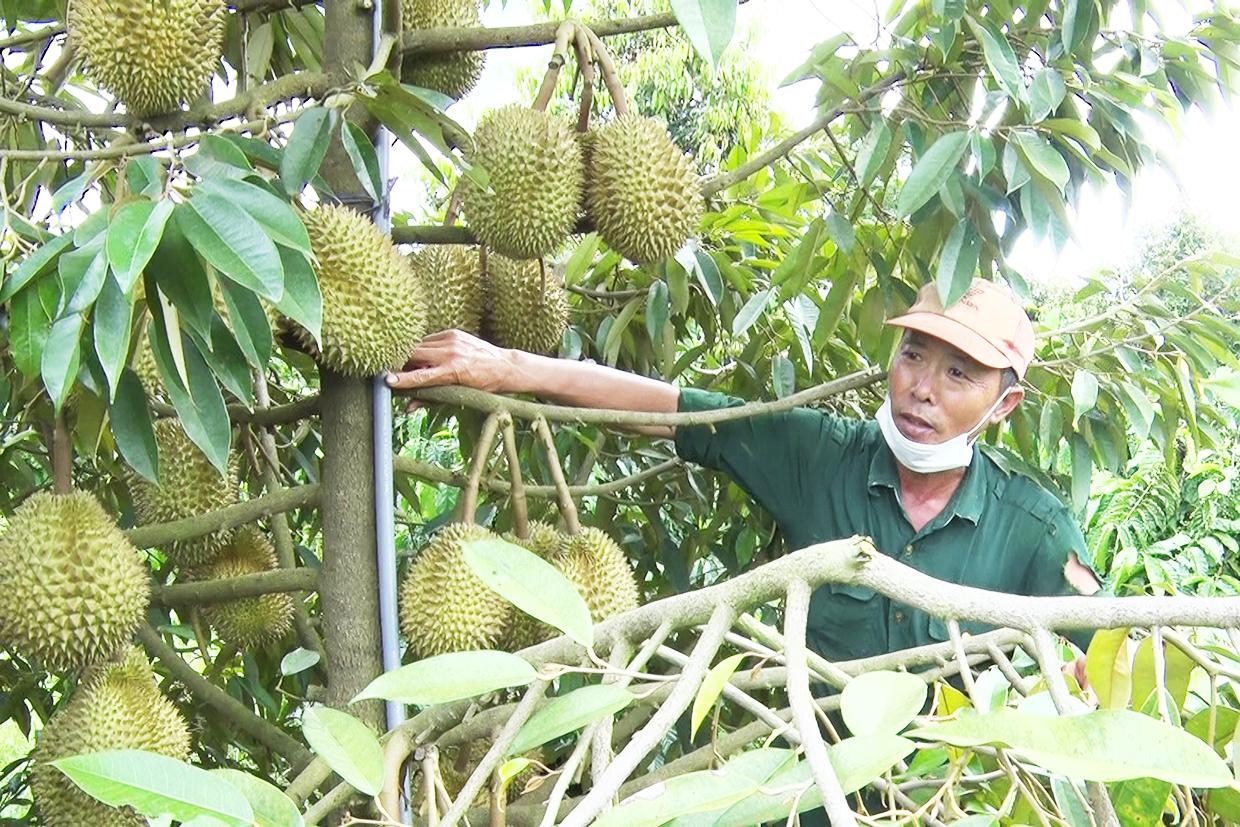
(1007, 379)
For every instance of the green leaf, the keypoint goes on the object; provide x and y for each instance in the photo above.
(569, 713)
(873, 151)
(277, 216)
(302, 300)
(145, 176)
(931, 172)
(131, 425)
(581, 259)
(881, 703)
(1104, 745)
(34, 265)
(1042, 158)
(1109, 668)
(533, 585)
(73, 189)
(233, 243)
(1178, 668)
(1140, 802)
(958, 262)
(712, 688)
(793, 271)
(1046, 93)
(248, 322)
(181, 277)
(1084, 394)
(133, 235)
(1076, 22)
(82, 287)
(657, 309)
(709, 24)
(1000, 59)
(156, 785)
(199, 404)
(272, 808)
(751, 311)
(451, 677)
(783, 376)
(615, 333)
(1082, 471)
(841, 232)
(365, 161)
(307, 147)
(227, 361)
(62, 357)
(112, 325)
(298, 660)
(707, 271)
(346, 745)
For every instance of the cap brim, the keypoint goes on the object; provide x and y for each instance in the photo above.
(956, 335)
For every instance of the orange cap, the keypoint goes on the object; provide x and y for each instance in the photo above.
(987, 323)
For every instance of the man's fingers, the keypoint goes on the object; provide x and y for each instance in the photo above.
(421, 378)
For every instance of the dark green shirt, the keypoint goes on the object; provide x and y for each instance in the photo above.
(824, 477)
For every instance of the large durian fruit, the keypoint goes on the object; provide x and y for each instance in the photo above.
(153, 55)
(373, 306)
(453, 73)
(526, 307)
(247, 622)
(116, 706)
(533, 162)
(451, 276)
(643, 192)
(597, 566)
(73, 589)
(444, 607)
(188, 485)
(545, 541)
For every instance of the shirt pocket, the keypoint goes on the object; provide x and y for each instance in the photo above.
(847, 622)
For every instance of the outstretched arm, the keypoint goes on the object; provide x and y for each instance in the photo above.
(452, 357)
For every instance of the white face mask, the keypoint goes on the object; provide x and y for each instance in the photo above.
(926, 458)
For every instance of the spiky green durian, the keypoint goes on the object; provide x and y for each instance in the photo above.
(248, 622)
(526, 307)
(453, 73)
(373, 306)
(188, 485)
(73, 589)
(533, 163)
(117, 706)
(451, 276)
(444, 607)
(457, 764)
(596, 565)
(145, 366)
(642, 190)
(547, 543)
(153, 55)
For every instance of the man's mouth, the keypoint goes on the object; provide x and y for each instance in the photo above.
(916, 428)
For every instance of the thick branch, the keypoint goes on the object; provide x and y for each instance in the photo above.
(275, 415)
(435, 473)
(158, 534)
(233, 588)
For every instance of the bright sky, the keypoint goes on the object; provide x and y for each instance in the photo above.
(1200, 170)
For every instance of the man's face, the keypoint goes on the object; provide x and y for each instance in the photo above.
(937, 392)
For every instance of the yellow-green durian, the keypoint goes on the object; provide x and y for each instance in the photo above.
(643, 192)
(533, 163)
(453, 73)
(73, 589)
(188, 485)
(373, 306)
(153, 55)
(451, 276)
(117, 706)
(597, 566)
(526, 307)
(547, 543)
(248, 622)
(444, 607)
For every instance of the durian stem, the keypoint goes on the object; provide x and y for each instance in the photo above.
(454, 206)
(482, 450)
(520, 509)
(434, 473)
(585, 61)
(564, 497)
(559, 55)
(395, 751)
(62, 455)
(429, 756)
(611, 77)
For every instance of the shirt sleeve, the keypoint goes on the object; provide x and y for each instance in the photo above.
(772, 456)
(1046, 574)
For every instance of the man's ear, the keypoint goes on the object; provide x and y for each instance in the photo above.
(1015, 395)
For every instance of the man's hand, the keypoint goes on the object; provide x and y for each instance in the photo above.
(453, 357)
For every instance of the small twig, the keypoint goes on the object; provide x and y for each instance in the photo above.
(1160, 673)
(520, 509)
(564, 497)
(468, 507)
(431, 783)
(436, 473)
(826, 671)
(62, 455)
(962, 660)
(611, 77)
(394, 753)
(1009, 671)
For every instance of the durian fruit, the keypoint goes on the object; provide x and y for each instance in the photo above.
(596, 565)
(453, 73)
(374, 311)
(153, 55)
(451, 277)
(188, 485)
(526, 307)
(145, 366)
(547, 543)
(73, 589)
(533, 162)
(444, 607)
(117, 706)
(248, 622)
(457, 764)
(642, 191)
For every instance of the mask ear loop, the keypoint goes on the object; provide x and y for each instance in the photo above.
(976, 433)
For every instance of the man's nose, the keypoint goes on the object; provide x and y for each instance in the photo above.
(923, 387)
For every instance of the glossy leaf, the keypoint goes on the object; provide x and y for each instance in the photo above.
(303, 299)
(451, 677)
(133, 235)
(751, 312)
(711, 690)
(1042, 157)
(62, 357)
(112, 324)
(931, 171)
(1084, 394)
(298, 660)
(276, 216)
(658, 309)
(272, 808)
(131, 425)
(569, 713)
(1046, 93)
(232, 242)
(709, 24)
(35, 264)
(1177, 670)
(1108, 666)
(957, 262)
(873, 151)
(307, 148)
(346, 745)
(881, 703)
(1000, 58)
(361, 152)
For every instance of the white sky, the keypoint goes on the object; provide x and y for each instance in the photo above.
(1201, 172)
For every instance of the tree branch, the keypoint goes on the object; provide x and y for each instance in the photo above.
(158, 534)
(458, 479)
(275, 415)
(201, 592)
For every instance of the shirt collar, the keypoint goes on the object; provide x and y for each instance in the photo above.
(968, 500)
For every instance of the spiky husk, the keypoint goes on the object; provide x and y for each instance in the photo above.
(444, 607)
(117, 706)
(451, 275)
(188, 485)
(526, 307)
(373, 306)
(534, 164)
(547, 543)
(73, 589)
(643, 191)
(248, 622)
(457, 763)
(153, 55)
(597, 566)
(148, 371)
(453, 73)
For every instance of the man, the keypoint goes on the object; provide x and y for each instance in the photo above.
(913, 479)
